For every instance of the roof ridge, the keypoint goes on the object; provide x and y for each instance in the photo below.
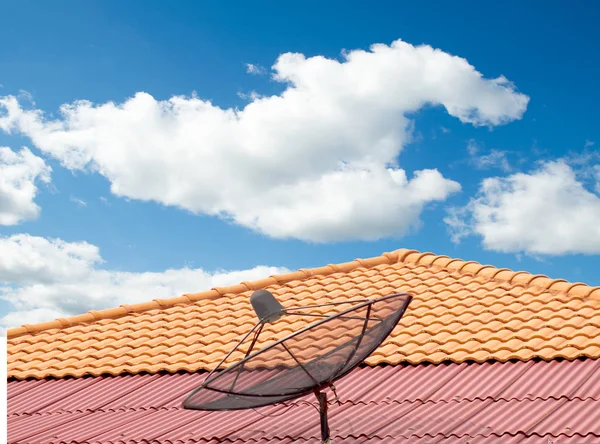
(555, 286)
(213, 293)
(473, 268)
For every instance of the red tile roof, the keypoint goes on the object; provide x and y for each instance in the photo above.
(452, 378)
(466, 402)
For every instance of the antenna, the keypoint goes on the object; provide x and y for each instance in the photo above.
(307, 360)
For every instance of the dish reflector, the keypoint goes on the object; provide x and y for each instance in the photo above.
(305, 361)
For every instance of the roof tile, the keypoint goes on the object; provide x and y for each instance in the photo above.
(461, 311)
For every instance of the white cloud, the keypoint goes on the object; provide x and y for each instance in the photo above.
(251, 96)
(30, 259)
(546, 212)
(78, 201)
(472, 147)
(26, 96)
(495, 159)
(19, 173)
(589, 144)
(48, 278)
(317, 162)
(252, 68)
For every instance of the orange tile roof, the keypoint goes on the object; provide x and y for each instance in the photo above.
(461, 311)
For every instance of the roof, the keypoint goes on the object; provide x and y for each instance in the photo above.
(492, 402)
(461, 311)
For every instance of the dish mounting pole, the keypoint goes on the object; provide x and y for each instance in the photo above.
(322, 398)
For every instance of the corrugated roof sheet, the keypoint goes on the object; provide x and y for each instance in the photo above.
(558, 401)
(461, 311)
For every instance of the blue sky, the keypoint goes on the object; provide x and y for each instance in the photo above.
(545, 152)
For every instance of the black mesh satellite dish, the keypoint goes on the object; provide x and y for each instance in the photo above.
(304, 361)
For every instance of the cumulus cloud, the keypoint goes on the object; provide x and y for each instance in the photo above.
(45, 279)
(19, 174)
(317, 162)
(26, 259)
(548, 212)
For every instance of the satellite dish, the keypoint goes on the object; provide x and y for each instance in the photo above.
(304, 361)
